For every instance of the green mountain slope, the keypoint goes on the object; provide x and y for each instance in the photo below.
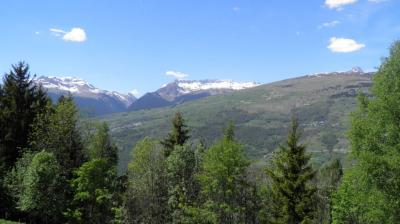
(261, 114)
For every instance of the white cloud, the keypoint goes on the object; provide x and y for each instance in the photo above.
(177, 75)
(37, 32)
(135, 92)
(338, 4)
(329, 24)
(74, 35)
(343, 45)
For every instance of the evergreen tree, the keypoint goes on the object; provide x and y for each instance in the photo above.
(147, 192)
(223, 181)
(375, 144)
(57, 131)
(20, 102)
(178, 136)
(291, 175)
(101, 146)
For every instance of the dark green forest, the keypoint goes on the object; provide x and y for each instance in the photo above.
(56, 167)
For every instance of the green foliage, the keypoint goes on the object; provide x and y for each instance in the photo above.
(223, 181)
(375, 141)
(93, 192)
(291, 175)
(328, 180)
(57, 131)
(20, 102)
(178, 136)
(147, 193)
(357, 201)
(35, 183)
(101, 146)
(183, 187)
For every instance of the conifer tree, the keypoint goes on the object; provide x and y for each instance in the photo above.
(57, 131)
(20, 102)
(101, 145)
(178, 136)
(291, 175)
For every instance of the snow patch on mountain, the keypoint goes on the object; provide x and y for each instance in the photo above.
(186, 86)
(77, 86)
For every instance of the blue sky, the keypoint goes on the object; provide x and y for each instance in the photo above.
(132, 44)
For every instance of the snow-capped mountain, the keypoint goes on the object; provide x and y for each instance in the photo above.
(179, 88)
(181, 91)
(88, 97)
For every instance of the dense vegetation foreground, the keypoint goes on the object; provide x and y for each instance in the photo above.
(56, 168)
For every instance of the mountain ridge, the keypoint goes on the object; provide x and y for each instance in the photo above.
(261, 114)
(91, 100)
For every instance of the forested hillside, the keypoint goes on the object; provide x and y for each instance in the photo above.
(261, 115)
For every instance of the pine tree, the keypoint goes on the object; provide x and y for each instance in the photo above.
(178, 136)
(291, 175)
(57, 131)
(101, 145)
(20, 102)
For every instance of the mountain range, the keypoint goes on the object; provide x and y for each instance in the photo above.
(93, 101)
(321, 101)
(90, 100)
(181, 91)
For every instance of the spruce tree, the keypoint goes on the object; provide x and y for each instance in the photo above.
(57, 131)
(291, 175)
(178, 136)
(101, 145)
(20, 102)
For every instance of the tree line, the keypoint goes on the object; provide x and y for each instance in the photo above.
(56, 168)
